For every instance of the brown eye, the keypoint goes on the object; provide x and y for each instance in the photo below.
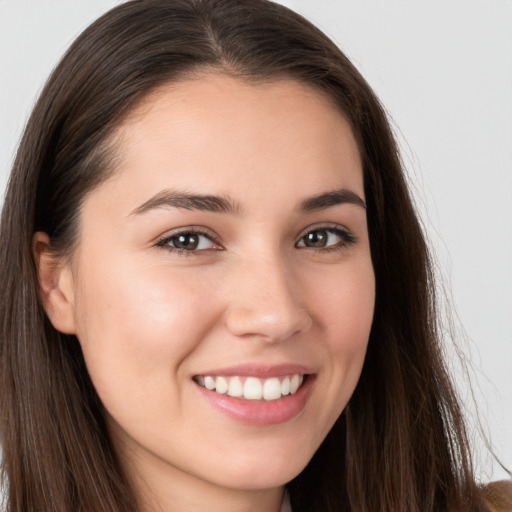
(316, 238)
(326, 238)
(189, 241)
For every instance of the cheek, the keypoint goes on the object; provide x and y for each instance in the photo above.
(345, 312)
(345, 306)
(136, 326)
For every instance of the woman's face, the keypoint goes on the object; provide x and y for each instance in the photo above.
(229, 251)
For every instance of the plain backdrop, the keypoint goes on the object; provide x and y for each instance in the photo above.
(443, 70)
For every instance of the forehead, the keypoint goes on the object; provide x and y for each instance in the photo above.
(215, 134)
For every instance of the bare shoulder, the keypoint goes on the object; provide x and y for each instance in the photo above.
(498, 496)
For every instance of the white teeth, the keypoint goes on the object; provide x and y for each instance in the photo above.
(285, 386)
(236, 387)
(295, 382)
(252, 388)
(221, 385)
(272, 389)
(209, 383)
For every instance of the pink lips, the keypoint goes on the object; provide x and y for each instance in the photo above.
(261, 412)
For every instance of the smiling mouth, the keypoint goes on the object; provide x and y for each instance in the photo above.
(252, 388)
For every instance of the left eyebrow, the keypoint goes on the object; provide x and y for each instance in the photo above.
(332, 198)
(177, 199)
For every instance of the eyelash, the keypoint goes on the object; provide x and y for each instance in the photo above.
(346, 238)
(166, 241)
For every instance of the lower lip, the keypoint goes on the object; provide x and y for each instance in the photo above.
(260, 412)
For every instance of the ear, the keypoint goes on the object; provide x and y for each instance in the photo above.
(56, 285)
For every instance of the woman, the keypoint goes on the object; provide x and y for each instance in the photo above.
(214, 282)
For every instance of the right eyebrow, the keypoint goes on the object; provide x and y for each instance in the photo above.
(177, 199)
(332, 198)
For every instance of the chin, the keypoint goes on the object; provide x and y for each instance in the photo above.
(275, 471)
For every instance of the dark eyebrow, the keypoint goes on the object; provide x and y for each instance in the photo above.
(331, 198)
(176, 199)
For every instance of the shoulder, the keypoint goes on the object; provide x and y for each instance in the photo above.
(498, 496)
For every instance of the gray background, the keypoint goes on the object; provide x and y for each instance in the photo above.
(443, 69)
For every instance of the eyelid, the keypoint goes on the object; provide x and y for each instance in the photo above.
(348, 236)
(197, 230)
(324, 225)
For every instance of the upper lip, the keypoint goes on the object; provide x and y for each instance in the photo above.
(261, 371)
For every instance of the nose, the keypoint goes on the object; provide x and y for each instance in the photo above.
(266, 302)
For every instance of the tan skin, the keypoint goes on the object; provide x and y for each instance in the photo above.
(266, 284)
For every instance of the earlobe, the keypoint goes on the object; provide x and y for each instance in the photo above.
(56, 285)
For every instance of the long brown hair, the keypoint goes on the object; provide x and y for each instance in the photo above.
(399, 445)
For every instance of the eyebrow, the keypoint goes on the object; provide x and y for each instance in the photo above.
(332, 198)
(175, 199)
(224, 204)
